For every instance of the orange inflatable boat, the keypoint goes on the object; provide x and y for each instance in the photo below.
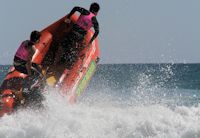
(75, 80)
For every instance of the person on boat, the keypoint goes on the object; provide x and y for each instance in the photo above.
(23, 64)
(86, 20)
(72, 43)
(24, 54)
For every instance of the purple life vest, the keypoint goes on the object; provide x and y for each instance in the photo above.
(85, 21)
(22, 51)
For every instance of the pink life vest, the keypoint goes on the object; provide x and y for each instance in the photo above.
(22, 51)
(85, 21)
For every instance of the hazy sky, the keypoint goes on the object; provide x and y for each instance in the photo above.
(131, 31)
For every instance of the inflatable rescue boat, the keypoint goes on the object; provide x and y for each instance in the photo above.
(75, 80)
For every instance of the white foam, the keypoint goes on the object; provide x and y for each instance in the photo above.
(101, 119)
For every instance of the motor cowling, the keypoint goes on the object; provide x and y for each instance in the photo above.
(7, 102)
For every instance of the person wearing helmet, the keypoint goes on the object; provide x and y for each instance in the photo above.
(24, 54)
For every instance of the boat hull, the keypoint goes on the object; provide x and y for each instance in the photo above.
(76, 79)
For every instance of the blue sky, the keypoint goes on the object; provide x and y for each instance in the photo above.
(131, 31)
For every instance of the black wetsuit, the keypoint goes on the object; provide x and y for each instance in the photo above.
(76, 35)
(78, 29)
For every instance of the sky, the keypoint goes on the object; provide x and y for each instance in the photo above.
(131, 31)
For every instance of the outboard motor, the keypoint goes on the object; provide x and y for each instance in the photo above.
(7, 102)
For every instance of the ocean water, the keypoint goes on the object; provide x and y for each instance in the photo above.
(121, 101)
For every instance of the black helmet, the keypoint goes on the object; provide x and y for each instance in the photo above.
(35, 36)
(94, 7)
